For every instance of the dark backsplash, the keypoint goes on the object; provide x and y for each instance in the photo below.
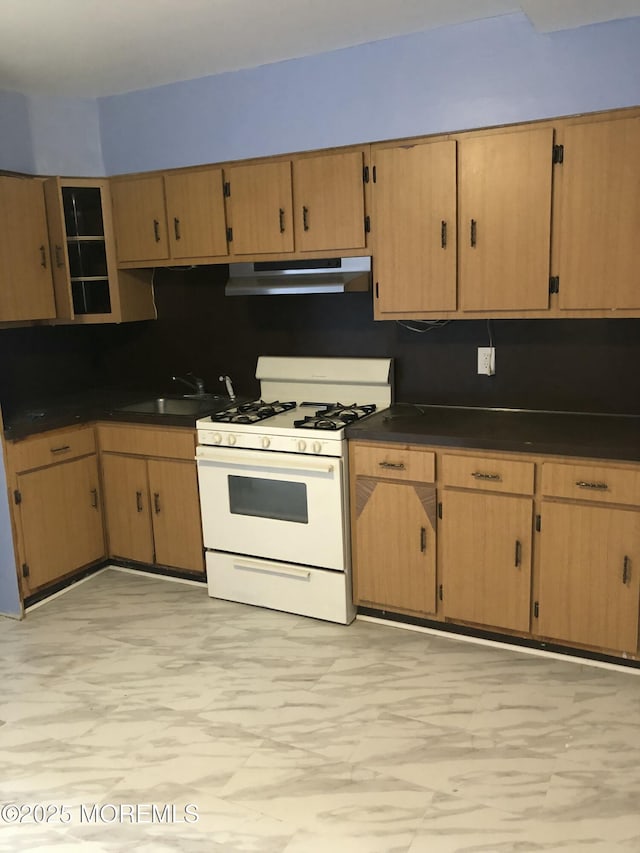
(571, 365)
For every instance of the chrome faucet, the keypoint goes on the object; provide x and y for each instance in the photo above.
(227, 381)
(194, 382)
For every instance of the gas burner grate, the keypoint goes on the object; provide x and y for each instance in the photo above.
(252, 412)
(335, 416)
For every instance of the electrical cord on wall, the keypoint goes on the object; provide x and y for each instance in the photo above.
(490, 333)
(426, 325)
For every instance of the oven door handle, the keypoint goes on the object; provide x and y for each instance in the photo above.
(235, 459)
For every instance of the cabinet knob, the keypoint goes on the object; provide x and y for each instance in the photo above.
(156, 230)
(626, 570)
(94, 498)
(305, 218)
(281, 213)
(156, 502)
(43, 257)
(176, 227)
(139, 501)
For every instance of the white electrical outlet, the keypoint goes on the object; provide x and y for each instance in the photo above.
(486, 361)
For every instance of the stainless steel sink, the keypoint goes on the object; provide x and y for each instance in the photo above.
(175, 405)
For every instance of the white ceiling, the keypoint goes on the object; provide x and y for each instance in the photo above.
(102, 47)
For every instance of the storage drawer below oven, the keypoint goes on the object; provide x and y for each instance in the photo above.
(322, 594)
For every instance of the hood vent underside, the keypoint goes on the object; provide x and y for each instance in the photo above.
(324, 275)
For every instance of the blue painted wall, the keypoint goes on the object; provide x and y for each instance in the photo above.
(9, 595)
(476, 74)
(16, 149)
(65, 134)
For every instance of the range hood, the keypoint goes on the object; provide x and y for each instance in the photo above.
(324, 275)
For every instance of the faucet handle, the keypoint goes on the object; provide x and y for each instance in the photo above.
(227, 381)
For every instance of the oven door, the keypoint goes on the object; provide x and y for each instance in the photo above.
(278, 506)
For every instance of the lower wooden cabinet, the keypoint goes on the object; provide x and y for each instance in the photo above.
(486, 558)
(542, 547)
(152, 504)
(393, 525)
(57, 506)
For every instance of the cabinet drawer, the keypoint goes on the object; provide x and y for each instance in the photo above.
(492, 474)
(591, 483)
(51, 447)
(174, 443)
(395, 462)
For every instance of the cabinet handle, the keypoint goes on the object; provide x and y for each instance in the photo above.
(62, 449)
(176, 227)
(94, 498)
(518, 561)
(43, 257)
(282, 220)
(156, 230)
(139, 501)
(482, 475)
(59, 260)
(156, 502)
(626, 570)
(396, 466)
(598, 486)
(443, 234)
(472, 233)
(423, 539)
(305, 218)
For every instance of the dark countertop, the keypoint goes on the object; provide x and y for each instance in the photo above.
(516, 430)
(101, 404)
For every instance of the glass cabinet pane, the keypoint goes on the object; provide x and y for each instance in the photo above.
(82, 211)
(91, 297)
(87, 258)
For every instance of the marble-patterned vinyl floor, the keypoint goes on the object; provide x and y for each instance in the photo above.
(288, 735)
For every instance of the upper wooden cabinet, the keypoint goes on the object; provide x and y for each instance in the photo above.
(88, 286)
(140, 218)
(414, 227)
(195, 213)
(26, 286)
(175, 216)
(260, 208)
(329, 202)
(597, 261)
(504, 197)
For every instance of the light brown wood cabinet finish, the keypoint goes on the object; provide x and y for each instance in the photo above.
(60, 520)
(486, 559)
(126, 493)
(505, 220)
(26, 284)
(140, 218)
(590, 575)
(394, 462)
(151, 495)
(260, 208)
(395, 545)
(175, 508)
(414, 227)
(494, 474)
(329, 202)
(195, 213)
(584, 482)
(600, 216)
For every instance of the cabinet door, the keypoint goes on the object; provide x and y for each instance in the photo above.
(395, 545)
(126, 495)
(260, 208)
(600, 216)
(329, 199)
(414, 228)
(61, 520)
(26, 285)
(505, 220)
(486, 551)
(590, 575)
(195, 212)
(140, 219)
(175, 507)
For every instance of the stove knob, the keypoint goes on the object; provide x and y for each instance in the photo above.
(317, 447)
(231, 440)
(217, 438)
(266, 441)
(302, 446)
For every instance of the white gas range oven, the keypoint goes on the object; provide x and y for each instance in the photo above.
(273, 478)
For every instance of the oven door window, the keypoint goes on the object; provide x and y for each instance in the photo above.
(264, 498)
